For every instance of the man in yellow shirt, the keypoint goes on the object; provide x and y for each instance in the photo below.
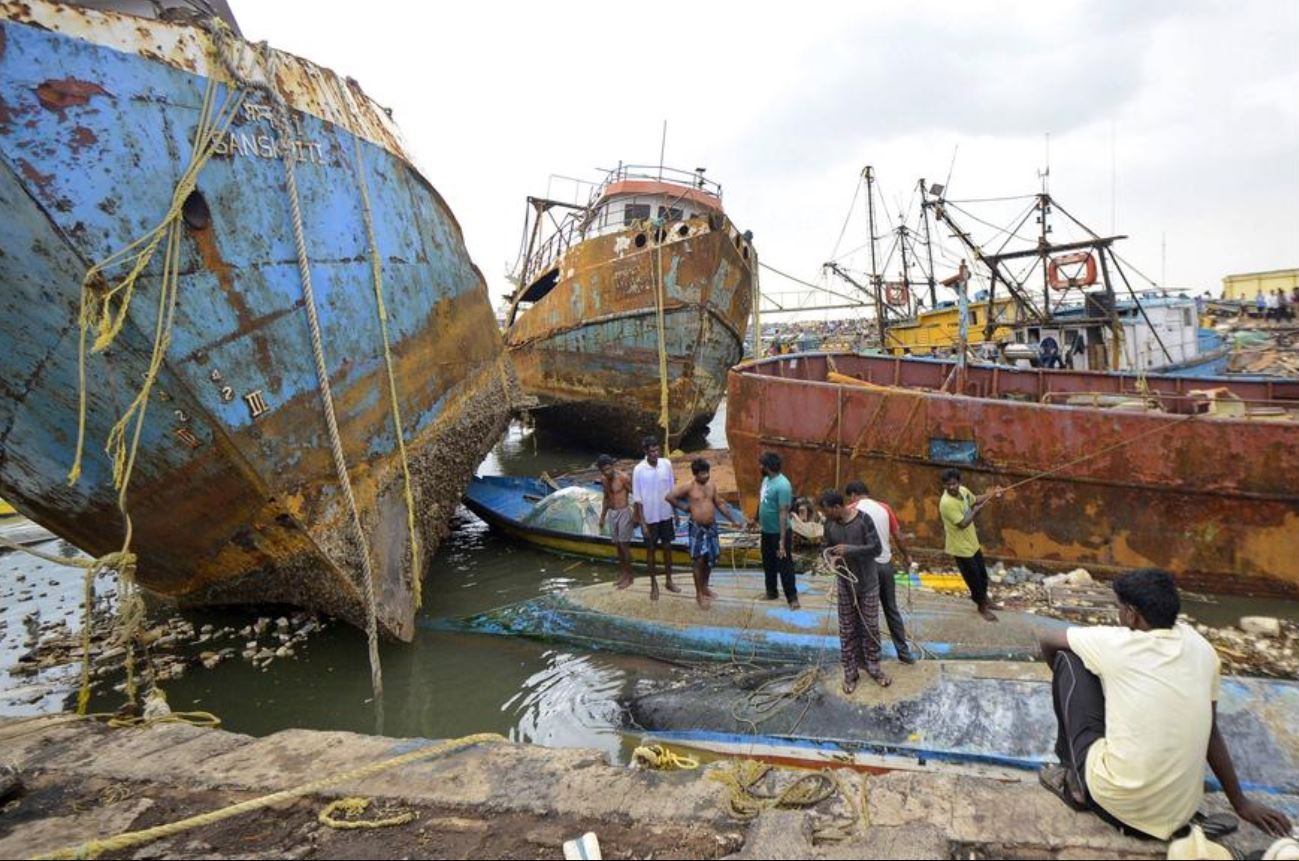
(1136, 707)
(957, 506)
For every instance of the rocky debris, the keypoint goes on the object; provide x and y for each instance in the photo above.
(1258, 646)
(165, 648)
(1265, 626)
(1263, 349)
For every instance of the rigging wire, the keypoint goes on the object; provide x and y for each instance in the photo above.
(847, 218)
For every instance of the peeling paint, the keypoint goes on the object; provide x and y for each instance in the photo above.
(1211, 499)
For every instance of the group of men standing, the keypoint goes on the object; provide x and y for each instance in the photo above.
(1135, 704)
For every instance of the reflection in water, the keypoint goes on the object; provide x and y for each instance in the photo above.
(571, 702)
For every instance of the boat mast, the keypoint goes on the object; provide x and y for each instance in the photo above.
(868, 173)
(993, 262)
(929, 249)
(906, 269)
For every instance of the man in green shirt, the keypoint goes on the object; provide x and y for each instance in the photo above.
(775, 498)
(957, 506)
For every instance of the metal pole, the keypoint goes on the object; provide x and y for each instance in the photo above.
(929, 248)
(869, 173)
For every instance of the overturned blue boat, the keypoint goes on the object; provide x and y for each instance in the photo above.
(741, 626)
(230, 299)
(990, 718)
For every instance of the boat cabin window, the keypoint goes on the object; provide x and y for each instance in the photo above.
(670, 214)
(632, 212)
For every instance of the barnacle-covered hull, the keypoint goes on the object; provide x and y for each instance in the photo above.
(233, 494)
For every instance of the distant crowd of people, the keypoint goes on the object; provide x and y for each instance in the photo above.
(1276, 304)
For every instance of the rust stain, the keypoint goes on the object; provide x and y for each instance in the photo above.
(67, 93)
(210, 254)
(82, 137)
(29, 171)
(6, 115)
(1198, 500)
(3, 37)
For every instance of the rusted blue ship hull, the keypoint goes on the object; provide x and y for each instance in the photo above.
(234, 495)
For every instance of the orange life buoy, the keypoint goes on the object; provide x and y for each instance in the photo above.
(1080, 278)
(895, 293)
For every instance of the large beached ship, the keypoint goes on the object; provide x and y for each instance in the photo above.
(219, 262)
(629, 312)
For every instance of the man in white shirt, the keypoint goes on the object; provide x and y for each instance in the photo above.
(886, 524)
(651, 482)
(1137, 707)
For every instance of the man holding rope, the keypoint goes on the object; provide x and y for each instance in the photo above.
(851, 545)
(958, 506)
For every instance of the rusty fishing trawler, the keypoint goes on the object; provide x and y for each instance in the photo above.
(631, 308)
(1111, 471)
(231, 299)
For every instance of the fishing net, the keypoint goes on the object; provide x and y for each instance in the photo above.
(572, 509)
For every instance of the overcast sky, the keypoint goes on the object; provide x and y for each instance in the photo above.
(1174, 123)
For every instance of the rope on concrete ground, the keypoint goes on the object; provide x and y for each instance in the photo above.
(745, 802)
(352, 808)
(95, 848)
(660, 757)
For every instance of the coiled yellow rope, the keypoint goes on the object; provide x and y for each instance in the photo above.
(352, 808)
(660, 757)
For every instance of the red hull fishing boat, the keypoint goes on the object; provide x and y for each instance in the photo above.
(1109, 471)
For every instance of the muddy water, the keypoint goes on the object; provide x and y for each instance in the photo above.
(441, 685)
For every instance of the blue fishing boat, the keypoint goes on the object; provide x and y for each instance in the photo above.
(563, 516)
(741, 626)
(234, 309)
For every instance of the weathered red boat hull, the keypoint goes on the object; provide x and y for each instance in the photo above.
(589, 350)
(1212, 499)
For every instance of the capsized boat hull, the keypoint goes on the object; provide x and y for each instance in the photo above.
(588, 350)
(234, 495)
(988, 717)
(1209, 497)
(741, 626)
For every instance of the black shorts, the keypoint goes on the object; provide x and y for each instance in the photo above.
(663, 532)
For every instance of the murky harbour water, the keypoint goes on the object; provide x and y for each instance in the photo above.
(444, 684)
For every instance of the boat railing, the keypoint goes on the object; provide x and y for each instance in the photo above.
(574, 226)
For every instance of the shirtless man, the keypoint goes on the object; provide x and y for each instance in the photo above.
(617, 497)
(703, 503)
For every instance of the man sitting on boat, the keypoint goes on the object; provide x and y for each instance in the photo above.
(702, 502)
(617, 493)
(1136, 707)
